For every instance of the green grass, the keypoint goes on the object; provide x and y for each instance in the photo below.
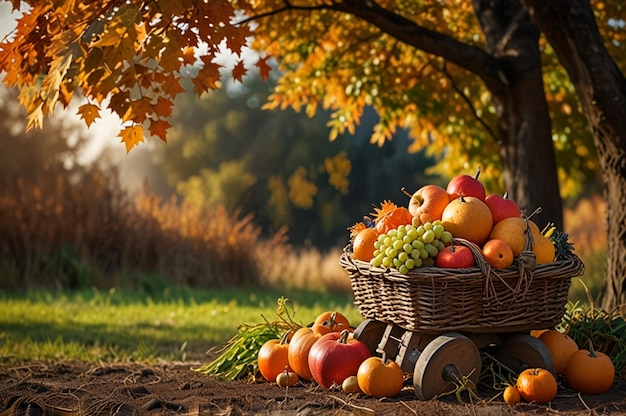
(114, 326)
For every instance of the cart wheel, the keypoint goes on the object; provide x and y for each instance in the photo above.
(370, 332)
(445, 359)
(521, 351)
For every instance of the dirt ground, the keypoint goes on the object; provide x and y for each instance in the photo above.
(65, 389)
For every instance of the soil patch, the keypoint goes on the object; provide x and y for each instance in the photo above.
(69, 389)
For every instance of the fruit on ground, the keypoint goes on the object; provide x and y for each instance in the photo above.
(335, 357)
(466, 185)
(501, 207)
(511, 395)
(498, 254)
(536, 385)
(379, 377)
(468, 218)
(390, 216)
(430, 200)
(351, 385)
(543, 248)
(330, 321)
(561, 347)
(273, 358)
(513, 232)
(287, 378)
(298, 351)
(590, 371)
(455, 256)
(363, 244)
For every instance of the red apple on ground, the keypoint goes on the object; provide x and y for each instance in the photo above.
(466, 185)
(455, 256)
(335, 357)
(429, 199)
(501, 207)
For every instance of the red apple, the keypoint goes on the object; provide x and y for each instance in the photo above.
(501, 207)
(455, 257)
(429, 199)
(335, 357)
(466, 185)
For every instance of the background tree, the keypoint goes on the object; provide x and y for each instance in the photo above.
(224, 149)
(464, 77)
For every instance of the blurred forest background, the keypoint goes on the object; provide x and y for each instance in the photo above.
(238, 195)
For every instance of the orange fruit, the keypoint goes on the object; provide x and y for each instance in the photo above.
(512, 230)
(561, 347)
(511, 395)
(363, 244)
(543, 248)
(498, 253)
(469, 218)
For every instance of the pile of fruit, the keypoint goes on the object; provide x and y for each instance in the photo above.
(423, 233)
(327, 354)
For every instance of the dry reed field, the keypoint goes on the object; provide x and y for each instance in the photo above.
(86, 231)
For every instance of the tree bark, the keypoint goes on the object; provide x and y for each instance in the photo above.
(524, 127)
(570, 27)
(511, 70)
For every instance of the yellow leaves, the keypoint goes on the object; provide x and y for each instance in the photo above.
(131, 136)
(338, 168)
(127, 56)
(301, 189)
(89, 113)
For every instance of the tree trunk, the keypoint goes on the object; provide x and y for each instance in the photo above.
(570, 27)
(524, 125)
(511, 70)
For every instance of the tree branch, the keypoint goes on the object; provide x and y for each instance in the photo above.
(469, 103)
(466, 56)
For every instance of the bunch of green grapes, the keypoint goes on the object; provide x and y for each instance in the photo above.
(410, 246)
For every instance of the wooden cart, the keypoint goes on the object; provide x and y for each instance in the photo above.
(434, 322)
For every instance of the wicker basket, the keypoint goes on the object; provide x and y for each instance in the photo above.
(479, 299)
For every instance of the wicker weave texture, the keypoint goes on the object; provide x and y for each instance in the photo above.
(478, 299)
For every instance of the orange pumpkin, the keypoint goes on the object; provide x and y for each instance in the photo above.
(272, 358)
(330, 321)
(561, 347)
(379, 377)
(590, 371)
(390, 216)
(536, 385)
(468, 218)
(298, 351)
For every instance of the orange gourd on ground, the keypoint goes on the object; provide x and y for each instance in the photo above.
(536, 385)
(273, 359)
(561, 347)
(298, 351)
(330, 321)
(379, 377)
(511, 395)
(590, 371)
